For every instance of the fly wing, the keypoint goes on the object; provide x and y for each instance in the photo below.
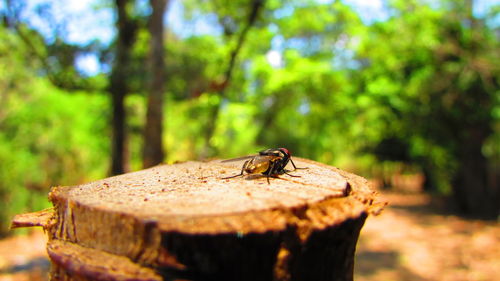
(265, 158)
(267, 152)
(270, 151)
(238, 159)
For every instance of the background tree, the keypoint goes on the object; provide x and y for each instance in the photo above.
(412, 91)
(438, 93)
(119, 86)
(153, 131)
(47, 133)
(236, 20)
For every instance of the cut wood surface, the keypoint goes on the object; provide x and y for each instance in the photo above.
(185, 221)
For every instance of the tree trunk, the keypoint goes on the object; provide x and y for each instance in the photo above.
(184, 221)
(473, 192)
(118, 144)
(153, 146)
(118, 86)
(255, 9)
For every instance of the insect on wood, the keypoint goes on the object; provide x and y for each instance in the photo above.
(270, 162)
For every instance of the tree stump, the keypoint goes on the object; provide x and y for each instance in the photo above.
(184, 222)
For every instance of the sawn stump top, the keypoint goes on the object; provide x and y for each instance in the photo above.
(186, 194)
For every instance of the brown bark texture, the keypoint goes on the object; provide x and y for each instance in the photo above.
(153, 153)
(185, 222)
(118, 85)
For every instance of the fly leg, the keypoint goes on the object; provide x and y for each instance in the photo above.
(295, 167)
(291, 174)
(271, 169)
(242, 170)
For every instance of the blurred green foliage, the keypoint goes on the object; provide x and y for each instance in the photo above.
(419, 90)
(47, 136)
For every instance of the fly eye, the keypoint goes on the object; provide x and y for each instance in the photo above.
(284, 151)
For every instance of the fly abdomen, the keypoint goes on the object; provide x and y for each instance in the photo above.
(255, 167)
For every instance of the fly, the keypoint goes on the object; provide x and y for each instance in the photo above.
(270, 162)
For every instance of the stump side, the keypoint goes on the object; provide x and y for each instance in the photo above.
(71, 261)
(186, 222)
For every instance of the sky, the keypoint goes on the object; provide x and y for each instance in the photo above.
(86, 22)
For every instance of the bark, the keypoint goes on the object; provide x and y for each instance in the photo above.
(184, 222)
(118, 87)
(74, 262)
(153, 153)
(474, 193)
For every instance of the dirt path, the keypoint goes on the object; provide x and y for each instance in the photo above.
(23, 258)
(409, 241)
